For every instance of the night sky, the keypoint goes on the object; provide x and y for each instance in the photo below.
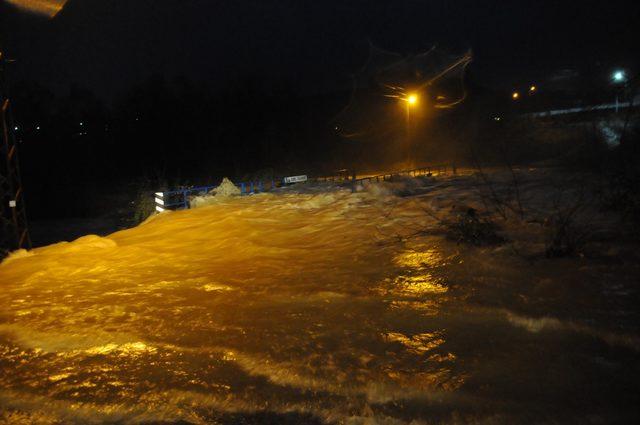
(108, 45)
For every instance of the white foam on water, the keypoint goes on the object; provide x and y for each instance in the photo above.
(546, 323)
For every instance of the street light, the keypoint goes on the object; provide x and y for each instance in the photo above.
(515, 95)
(412, 101)
(619, 76)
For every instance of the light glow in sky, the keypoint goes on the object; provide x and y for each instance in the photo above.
(43, 7)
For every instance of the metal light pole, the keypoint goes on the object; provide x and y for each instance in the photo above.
(619, 78)
(13, 218)
(410, 101)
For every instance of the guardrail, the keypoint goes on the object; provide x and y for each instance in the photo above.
(179, 198)
(416, 172)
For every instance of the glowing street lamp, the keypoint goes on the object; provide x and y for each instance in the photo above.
(619, 76)
(532, 89)
(412, 101)
(515, 95)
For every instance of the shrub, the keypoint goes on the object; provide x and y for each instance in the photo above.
(565, 236)
(469, 228)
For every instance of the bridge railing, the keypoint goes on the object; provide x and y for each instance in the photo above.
(429, 170)
(178, 199)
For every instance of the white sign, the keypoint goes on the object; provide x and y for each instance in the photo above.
(12, 204)
(295, 179)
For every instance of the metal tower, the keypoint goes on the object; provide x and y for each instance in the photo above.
(13, 219)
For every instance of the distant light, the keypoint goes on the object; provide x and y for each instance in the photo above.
(497, 118)
(532, 89)
(619, 76)
(16, 128)
(37, 127)
(81, 124)
(515, 95)
(412, 99)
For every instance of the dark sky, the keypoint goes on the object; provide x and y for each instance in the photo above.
(107, 45)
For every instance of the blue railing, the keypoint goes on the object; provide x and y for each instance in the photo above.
(179, 198)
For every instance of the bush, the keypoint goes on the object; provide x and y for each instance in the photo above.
(564, 236)
(144, 204)
(620, 190)
(469, 228)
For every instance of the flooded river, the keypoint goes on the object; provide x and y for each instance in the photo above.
(328, 307)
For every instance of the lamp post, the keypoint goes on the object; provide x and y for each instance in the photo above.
(411, 101)
(618, 78)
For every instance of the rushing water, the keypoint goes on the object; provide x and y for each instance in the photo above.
(304, 308)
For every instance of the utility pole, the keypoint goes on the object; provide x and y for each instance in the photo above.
(14, 233)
